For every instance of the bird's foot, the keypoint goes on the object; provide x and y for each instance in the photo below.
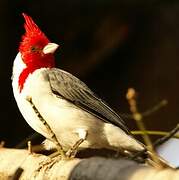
(61, 155)
(52, 159)
(47, 164)
(73, 150)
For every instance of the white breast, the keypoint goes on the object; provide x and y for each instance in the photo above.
(63, 117)
(23, 105)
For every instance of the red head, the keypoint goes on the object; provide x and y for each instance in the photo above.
(36, 50)
(32, 46)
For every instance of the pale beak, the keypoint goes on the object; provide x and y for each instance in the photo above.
(50, 48)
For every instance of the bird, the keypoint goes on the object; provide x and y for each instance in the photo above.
(60, 106)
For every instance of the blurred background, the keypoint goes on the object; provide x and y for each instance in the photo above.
(109, 44)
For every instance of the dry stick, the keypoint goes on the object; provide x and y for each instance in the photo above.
(131, 97)
(167, 137)
(23, 143)
(29, 146)
(156, 133)
(148, 112)
(155, 108)
(2, 143)
(51, 133)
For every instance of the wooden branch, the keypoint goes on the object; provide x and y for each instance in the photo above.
(19, 164)
(13, 159)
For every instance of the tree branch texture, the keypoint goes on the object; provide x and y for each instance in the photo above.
(19, 164)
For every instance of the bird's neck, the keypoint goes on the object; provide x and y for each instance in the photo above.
(18, 67)
(21, 71)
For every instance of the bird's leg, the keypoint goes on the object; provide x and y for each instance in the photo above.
(82, 133)
(50, 132)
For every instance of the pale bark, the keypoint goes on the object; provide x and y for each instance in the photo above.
(79, 169)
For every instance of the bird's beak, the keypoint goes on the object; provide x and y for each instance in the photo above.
(50, 48)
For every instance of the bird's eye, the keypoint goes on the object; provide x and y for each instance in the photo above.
(33, 49)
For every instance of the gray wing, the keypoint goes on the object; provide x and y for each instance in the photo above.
(74, 90)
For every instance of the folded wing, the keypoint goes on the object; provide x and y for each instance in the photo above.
(69, 87)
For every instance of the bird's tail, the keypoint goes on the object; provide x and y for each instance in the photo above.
(157, 161)
(152, 159)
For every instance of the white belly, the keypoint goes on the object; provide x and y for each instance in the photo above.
(65, 119)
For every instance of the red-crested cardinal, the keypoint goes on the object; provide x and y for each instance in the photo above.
(58, 105)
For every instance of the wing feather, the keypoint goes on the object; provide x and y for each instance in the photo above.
(74, 90)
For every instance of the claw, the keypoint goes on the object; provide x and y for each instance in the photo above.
(73, 150)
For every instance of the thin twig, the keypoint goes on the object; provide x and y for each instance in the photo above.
(131, 97)
(148, 112)
(23, 143)
(155, 133)
(29, 146)
(166, 137)
(137, 116)
(2, 143)
(48, 128)
(155, 108)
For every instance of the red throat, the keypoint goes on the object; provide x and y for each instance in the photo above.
(33, 42)
(29, 70)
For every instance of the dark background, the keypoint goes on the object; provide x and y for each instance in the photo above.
(110, 45)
